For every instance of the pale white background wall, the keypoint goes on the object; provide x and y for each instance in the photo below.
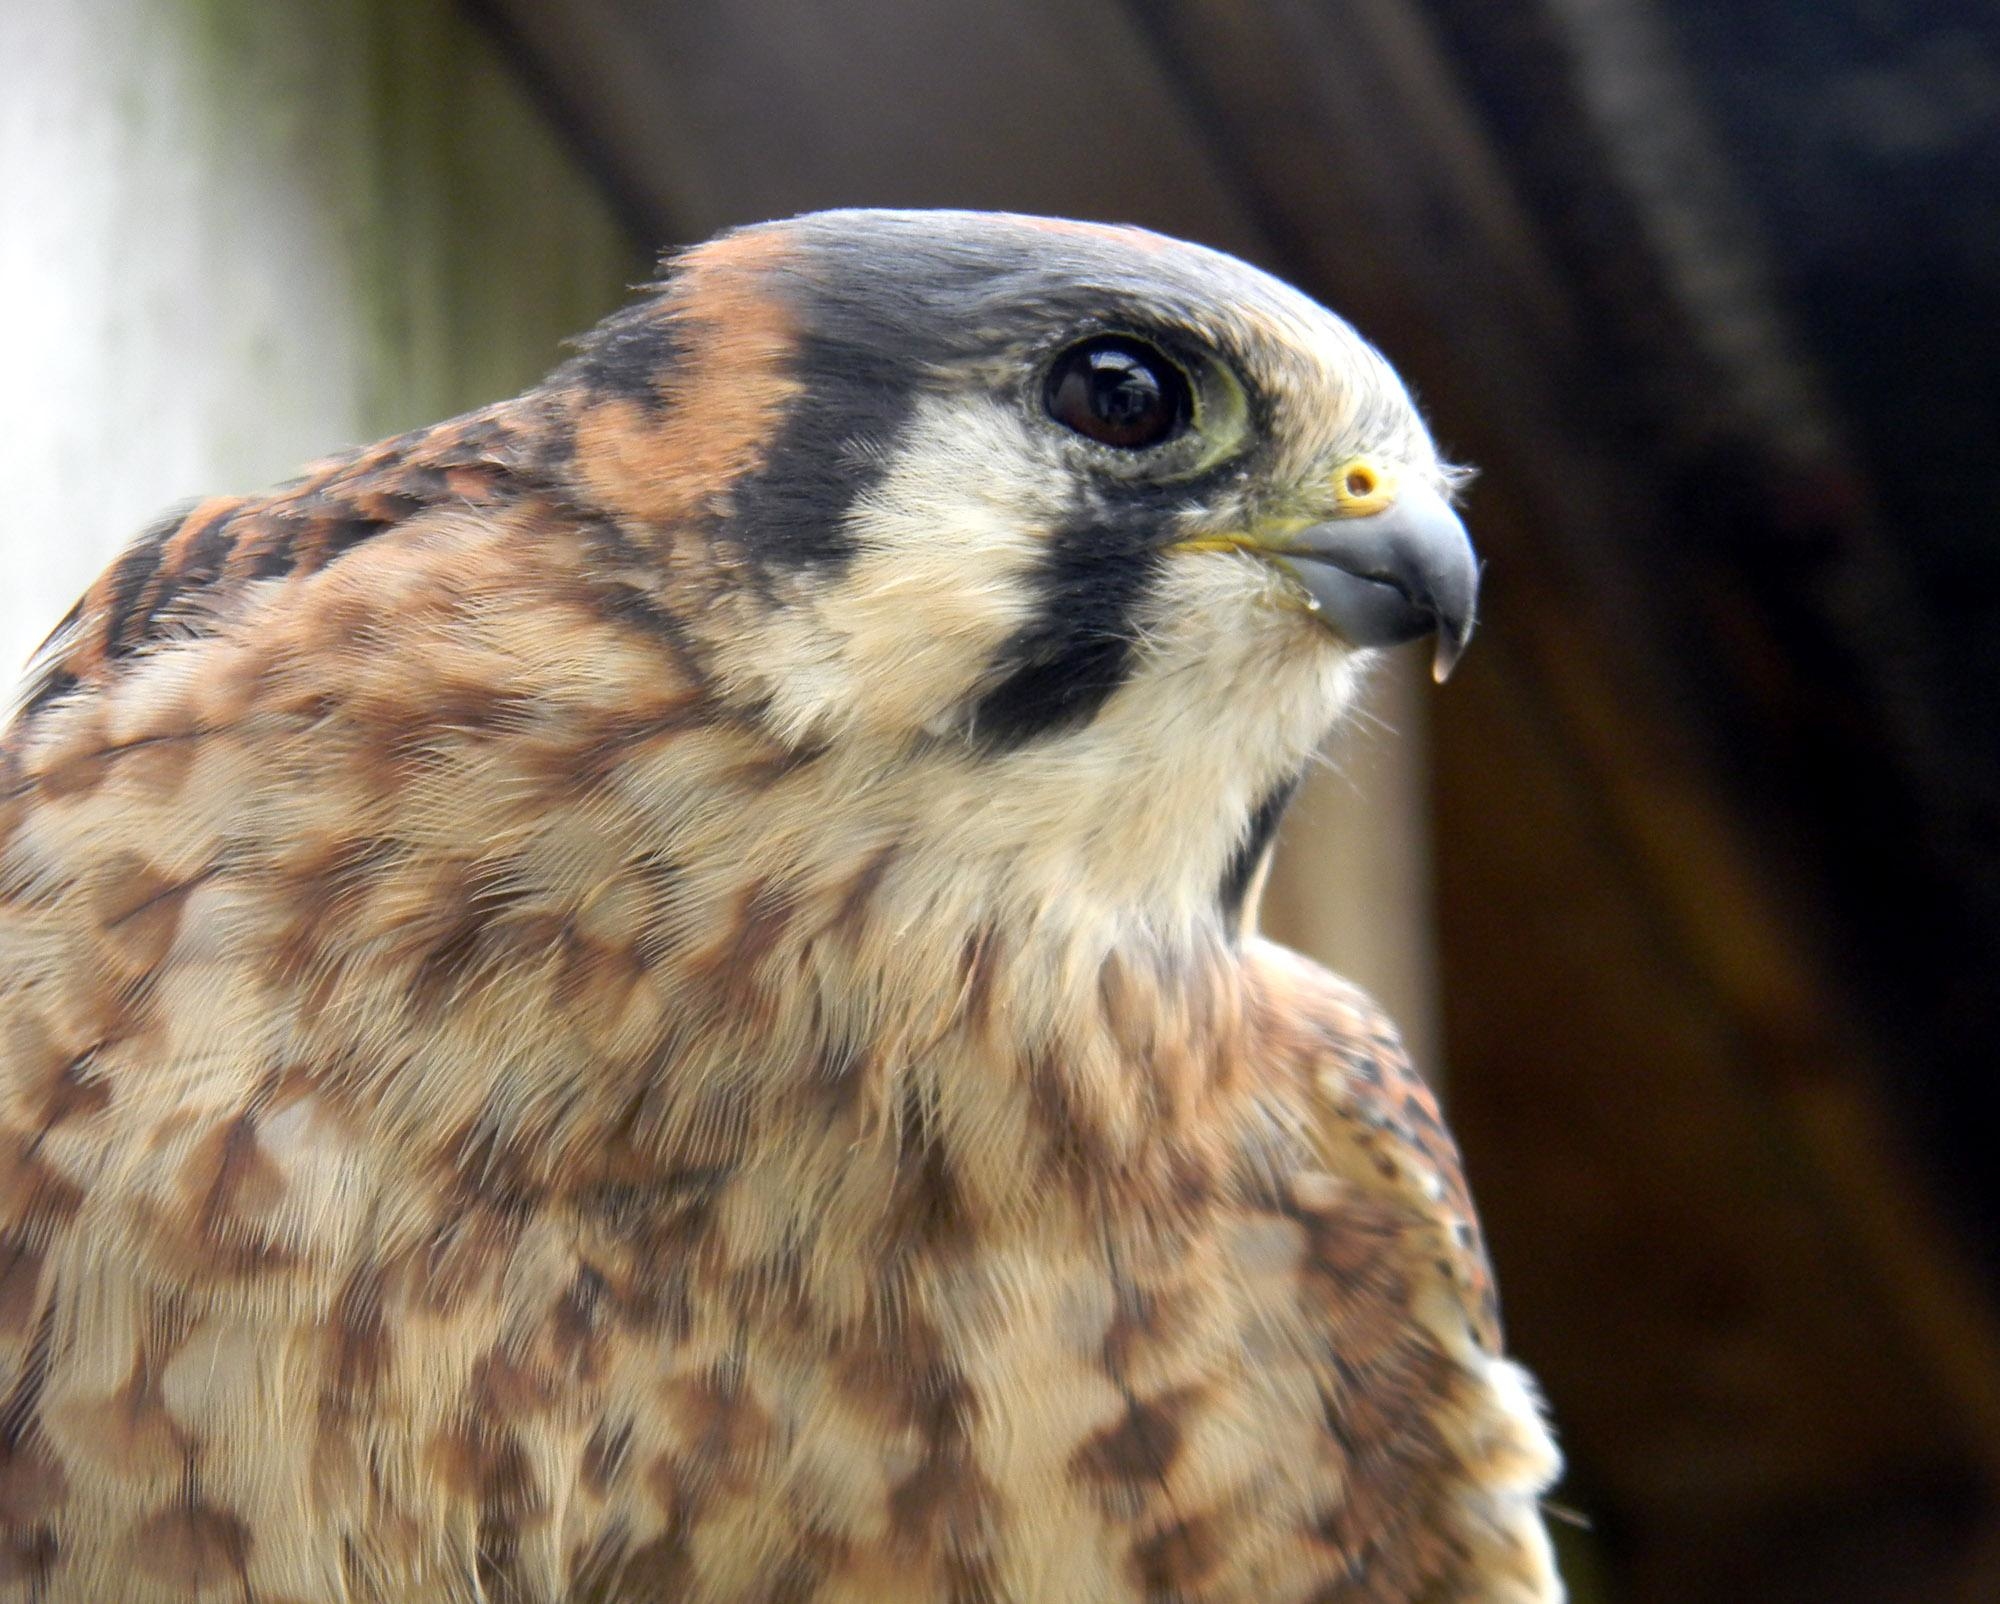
(238, 234)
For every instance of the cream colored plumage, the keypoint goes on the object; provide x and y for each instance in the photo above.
(643, 995)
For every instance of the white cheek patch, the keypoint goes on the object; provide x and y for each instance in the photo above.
(1231, 688)
(1226, 637)
(948, 541)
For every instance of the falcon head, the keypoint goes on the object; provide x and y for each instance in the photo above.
(1076, 534)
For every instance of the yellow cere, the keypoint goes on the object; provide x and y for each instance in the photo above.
(1362, 487)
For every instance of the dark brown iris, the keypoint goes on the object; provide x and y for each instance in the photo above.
(1119, 392)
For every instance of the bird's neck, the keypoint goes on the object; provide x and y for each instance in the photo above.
(932, 956)
(832, 974)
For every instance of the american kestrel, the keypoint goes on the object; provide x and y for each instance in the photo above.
(647, 995)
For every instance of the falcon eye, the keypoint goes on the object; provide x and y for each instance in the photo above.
(1119, 392)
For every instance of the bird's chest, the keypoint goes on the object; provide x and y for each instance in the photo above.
(1064, 1406)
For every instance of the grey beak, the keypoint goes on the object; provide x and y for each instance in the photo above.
(1392, 576)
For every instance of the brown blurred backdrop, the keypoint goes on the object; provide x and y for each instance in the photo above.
(1687, 887)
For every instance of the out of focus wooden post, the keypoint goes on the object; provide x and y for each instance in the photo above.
(1351, 885)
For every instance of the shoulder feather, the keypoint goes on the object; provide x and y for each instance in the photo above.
(1377, 1124)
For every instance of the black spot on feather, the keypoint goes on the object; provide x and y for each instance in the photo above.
(345, 532)
(278, 558)
(205, 558)
(628, 356)
(128, 579)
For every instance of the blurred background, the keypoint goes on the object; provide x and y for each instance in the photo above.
(1687, 886)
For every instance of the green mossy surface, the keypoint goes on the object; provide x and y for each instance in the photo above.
(473, 239)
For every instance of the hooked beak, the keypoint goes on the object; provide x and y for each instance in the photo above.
(1397, 568)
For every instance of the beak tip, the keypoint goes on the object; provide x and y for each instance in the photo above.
(1451, 644)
